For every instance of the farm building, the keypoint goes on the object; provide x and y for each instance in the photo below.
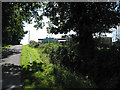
(47, 40)
(56, 40)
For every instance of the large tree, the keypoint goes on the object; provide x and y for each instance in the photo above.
(85, 18)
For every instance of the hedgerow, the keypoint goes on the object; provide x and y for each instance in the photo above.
(103, 68)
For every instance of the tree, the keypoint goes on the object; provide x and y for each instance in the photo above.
(84, 18)
(13, 15)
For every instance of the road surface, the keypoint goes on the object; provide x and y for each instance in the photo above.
(11, 68)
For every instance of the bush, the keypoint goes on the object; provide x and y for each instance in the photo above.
(105, 65)
(66, 79)
(65, 55)
(48, 47)
(101, 68)
(33, 44)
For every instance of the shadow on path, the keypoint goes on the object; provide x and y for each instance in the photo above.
(9, 52)
(11, 76)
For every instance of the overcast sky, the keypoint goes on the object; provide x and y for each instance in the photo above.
(42, 33)
(37, 34)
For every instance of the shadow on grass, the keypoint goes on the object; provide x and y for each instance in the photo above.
(66, 79)
(11, 76)
(58, 78)
(29, 79)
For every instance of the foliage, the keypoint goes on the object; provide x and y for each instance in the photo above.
(84, 18)
(66, 79)
(48, 47)
(43, 74)
(33, 43)
(83, 57)
(103, 69)
(105, 66)
(13, 15)
(32, 73)
(117, 43)
(66, 55)
(38, 77)
(93, 17)
(28, 73)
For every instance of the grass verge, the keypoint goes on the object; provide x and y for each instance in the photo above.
(29, 53)
(43, 74)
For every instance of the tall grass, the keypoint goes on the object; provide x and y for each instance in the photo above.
(43, 74)
(27, 53)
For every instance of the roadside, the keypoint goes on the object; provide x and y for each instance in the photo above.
(6, 47)
(11, 68)
(41, 73)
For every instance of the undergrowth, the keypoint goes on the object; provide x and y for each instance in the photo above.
(43, 74)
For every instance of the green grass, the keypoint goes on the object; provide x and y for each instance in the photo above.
(28, 52)
(38, 57)
(43, 74)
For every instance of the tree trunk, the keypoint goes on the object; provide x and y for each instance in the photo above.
(86, 45)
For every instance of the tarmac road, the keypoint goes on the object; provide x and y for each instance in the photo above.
(11, 68)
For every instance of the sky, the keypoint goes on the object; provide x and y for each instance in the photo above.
(38, 34)
(42, 33)
(116, 34)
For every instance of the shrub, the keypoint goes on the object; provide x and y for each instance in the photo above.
(33, 44)
(101, 68)
(48, 47)
(66, 79)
